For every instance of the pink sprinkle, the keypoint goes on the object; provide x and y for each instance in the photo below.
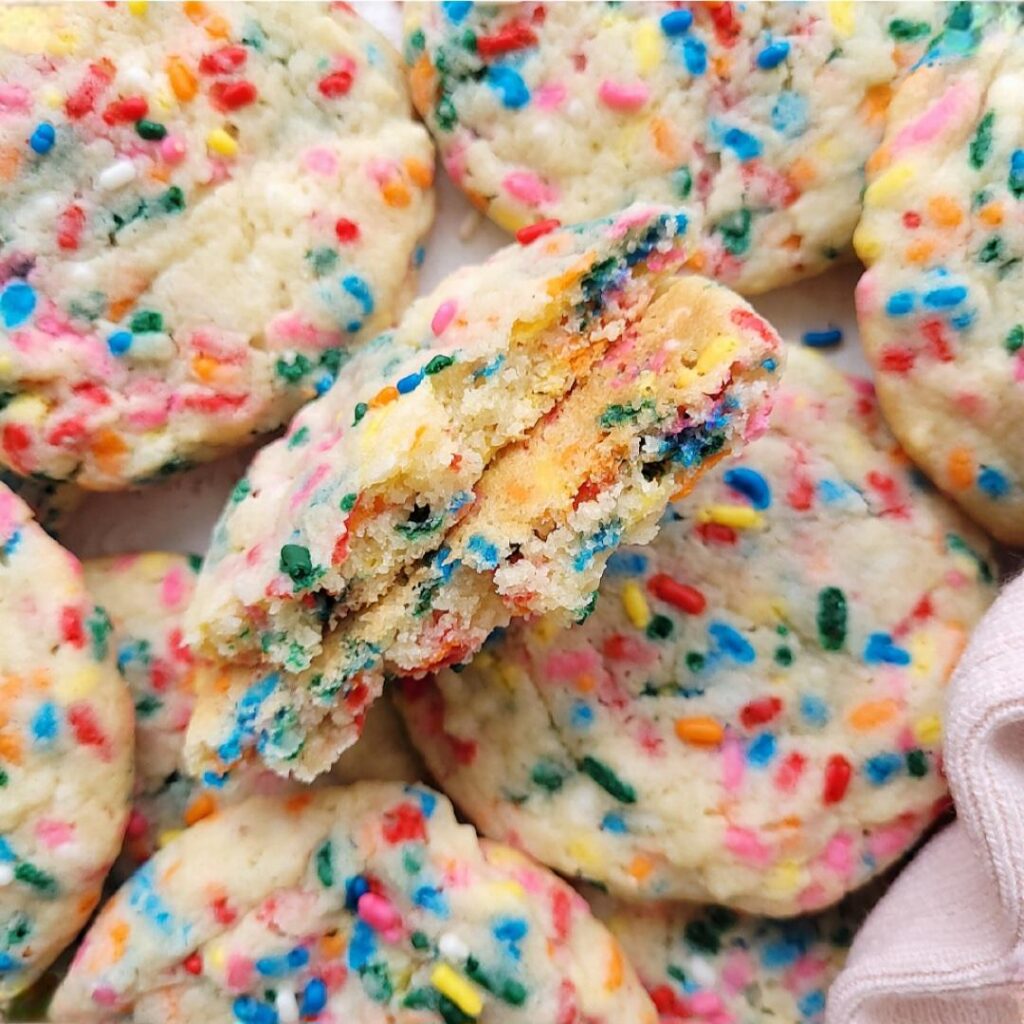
(290, 330)
(104, 995)
(733, 767)
(839, 854)
(528, 188)
(737, 971)
(320, 161)
(239, 972)
(564, 666)
(889, 841)
(813, 897)
(706, 1003)
(172, 149)
(949, 107)
(746, 846)
(620, 96)
(172, 589)
(309, 486)
(15, 98)
(380, 915)
(54, 834)
(444, 315)
(550, 97)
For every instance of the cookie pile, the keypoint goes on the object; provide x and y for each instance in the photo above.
(575, 652)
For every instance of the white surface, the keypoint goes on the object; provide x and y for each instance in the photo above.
(178, 515)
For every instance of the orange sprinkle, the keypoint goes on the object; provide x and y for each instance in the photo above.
(876, 102)
(423, 84)
(160, 172)
(872, 714)
(119, 932)
(383, 397)
(10, 748)
(722, 65)
(696, 261)
(195, 10)
(118, 308)
(945, 211)
(960, 468)
(700, 731)
(613, 975)
(396, 192)
(640, 867)
(332, 946)
(792, 242)
(666, 142)
(877, 160)
(10, 161)
(802, 172)
(217, 27)
(298, 803)
(919, 251)
(421, 173)
(183, 82)
(221, 683)
(991, 214)
(202, 807)
(558, 285)
(585, 682)
(205, 368)
(108, 445)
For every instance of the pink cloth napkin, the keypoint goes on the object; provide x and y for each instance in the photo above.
(946, 944)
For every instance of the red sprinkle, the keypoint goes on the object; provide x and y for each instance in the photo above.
(126, 110)
(524, 236)
(69, 227)
(222, 912)
(670, 1006)
(561, 912)
(619, 647)
(758, 712)
(193, 963)
(336, 84)
(938, 343)
(233, 95)
(838, 772)
(801, 495)
(716, 533)
(516, 35)
(896, 359)
(346, 230)
(86, 727)
(16, 441)
(464, 751)
(83, 99)
(69, 433)
(790, 771)
(911, 220)
(223, 61)
(404, 823)
(71, 630)
(679, 595)
(727, 28)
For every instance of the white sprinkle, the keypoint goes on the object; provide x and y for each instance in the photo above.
(6, 874)
(452, 948)
(701, 972)
(117, 175)
(287, 1006)
(135, 79)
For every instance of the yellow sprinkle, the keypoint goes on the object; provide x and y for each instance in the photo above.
(27, 409)
(928, 730)
(464, 994)
(841, 14)
(220, 142)
(64, 43)
(80, 684)
(889, 184)
(739, 517)
(52, 97)
(168, 836)
(648, 46)
(718, 350)
(216, 957)
(137, 7)
(785, 878)
(866, 244)
(922, 654)
(685, 377)
(585, 854)
(155, 563)
(635, 605)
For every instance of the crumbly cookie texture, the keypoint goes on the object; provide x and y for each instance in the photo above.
(475, 466)
(145, 596)
(752, 714)
(366, 903)
(65, 749)
(755, 119)
(941, 307)
(204, 206)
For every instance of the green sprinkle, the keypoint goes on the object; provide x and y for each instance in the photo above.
(702, 936)
(661, 627)
(832, 618)
(195, 562)
(694, 661)
(981, 144)
(957, 544)
(299, 438)
(917, 764)
(333, 359)
(616, 414)
(411, 529)
(323, 261)
(437, 364)
(297, 564)
(294, 370)
(508, 990)
(35, 877)
(608, 780)
(678, 973)
(548, 775)
(991, 251)
(419, 940)
(735, 231)
(1014, 338)
(361, 410)
(349, 501)
(151, 131)
(4, 778)
(421, 999)
(242, 490)
(171, 201)
(412, 859)
(682, 182)
(99, 626)
(147, 706)
(376, 979)
(417, 41)
(325, 865)
(783, 656)
(147, 321)
(905, 30)
(444, 114)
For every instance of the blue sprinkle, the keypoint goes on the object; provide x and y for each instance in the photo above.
(882, 767)
(993, 483)
(614, 823)
(323, 384)
(582, 715)
(695, 56)
(360, 291)
(812, 1005)
(789, 114)
(769, 364)
(828, 338)
(814, 710)
(17, 303)
(245, 716)
(426, 800)
(761, 752)
(509, 85)
(409, 383)
(626, 563)
(944, 298)
(490, 369)
(251, 1011)
(773, 54)
(12, 544)
(510, 931)
(298, 958)
(776, 956)
(44, 723)
(486, 553)
(355, 887)
(419, 255)
(432, 899)
(832, 491)
(6, 853)
(607, 536)
(362, 946)
(880, 649)
(732, 643)
(900, 303)
(460, 501)
(314, 998)
(119, 342)
(675, 23)
(751, 485)
(7, 963)
(743, 144)
(144, 897)
(214, 781)
(43, 138)
(456, 10)
(963, 320)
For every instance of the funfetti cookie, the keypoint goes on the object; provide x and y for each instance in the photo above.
(752, 714)
(204, 206)
(710, 965)
(65, 749)
(363, 904)
(941, 308)
(755, 119)
(145, 596)
(477, 465)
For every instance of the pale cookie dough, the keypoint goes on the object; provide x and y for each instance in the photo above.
(204, 206)
(755, 119)
(368, 904)
(65, 749)
(752, 714)
(941, 309)
(478, 465)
